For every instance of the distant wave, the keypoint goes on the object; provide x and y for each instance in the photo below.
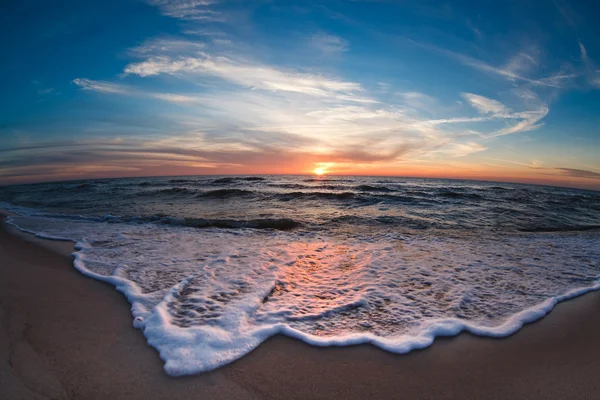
(228, 180)
(199, 182)
(456, 195)
(289, 185)
(316, 196)
(181, 181)
(282, 224)
(225, 193)
(80, 187)
(350, 197)
(209, 194)
(369, 188)
(177, 190)
(327, 180)
(550, 229)
(145, 183)
(306, 187)
(405, 222)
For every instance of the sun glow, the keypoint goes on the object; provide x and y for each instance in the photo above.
(320, 170)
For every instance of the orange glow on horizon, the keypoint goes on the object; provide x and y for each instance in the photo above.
(451, 169)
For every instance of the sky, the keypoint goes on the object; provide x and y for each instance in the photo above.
(490, 90)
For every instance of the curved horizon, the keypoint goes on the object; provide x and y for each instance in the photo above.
(549, 183)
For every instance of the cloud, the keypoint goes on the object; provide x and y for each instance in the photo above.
(529, 120)
(584, 55)
(570, 16)
(222, 42)
(204, 32)
(185, 155)
(47, 91)
(533, 164)
(113, 88)
(350, 113)
(461, 149)
(416, 96)
(487, 106)
(513, 70)
(591, 73)
(524, 62)
(167, 46)
(578, 173)
(243, 73)
(100, 86)
(418, 101)
(194, 10)
(521, 62)
(329, 44)
(174, 98)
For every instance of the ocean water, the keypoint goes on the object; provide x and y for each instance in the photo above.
(213, 266)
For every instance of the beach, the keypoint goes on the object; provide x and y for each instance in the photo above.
(66, 336)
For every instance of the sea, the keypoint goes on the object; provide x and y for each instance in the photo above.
(214, 265)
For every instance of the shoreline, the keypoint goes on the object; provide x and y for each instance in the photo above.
(65, 335)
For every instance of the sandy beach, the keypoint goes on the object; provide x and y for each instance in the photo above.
(66, 336)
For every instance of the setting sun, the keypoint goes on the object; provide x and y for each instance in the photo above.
(320, 170)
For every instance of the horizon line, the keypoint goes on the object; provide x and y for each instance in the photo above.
(324, 176)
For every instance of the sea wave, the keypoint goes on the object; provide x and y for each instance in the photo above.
(370, 188)
(571, 228)
(225, 193)
(230, 180)
(282, 224)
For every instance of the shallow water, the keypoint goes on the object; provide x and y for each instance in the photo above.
(215, 265)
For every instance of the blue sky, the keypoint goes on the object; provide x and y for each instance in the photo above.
(498, 90)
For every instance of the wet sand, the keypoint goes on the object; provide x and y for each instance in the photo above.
(66, 336)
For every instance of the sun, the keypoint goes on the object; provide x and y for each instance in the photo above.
(320, 171)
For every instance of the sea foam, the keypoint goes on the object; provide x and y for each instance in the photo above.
(204, 298)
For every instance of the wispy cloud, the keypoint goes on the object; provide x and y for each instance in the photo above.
(591, 72)
(46, 91)
(329, 44)
(100, 86)
(534, 164)
(460, 149)
(528, 120)
(195, 10)
(570, 16)
(578, 173)
(204, 32)
(418, 101)
(167, 46)
(487, 106)
(242, 72)
(523, 64)
(513, 70)
(114, 88)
